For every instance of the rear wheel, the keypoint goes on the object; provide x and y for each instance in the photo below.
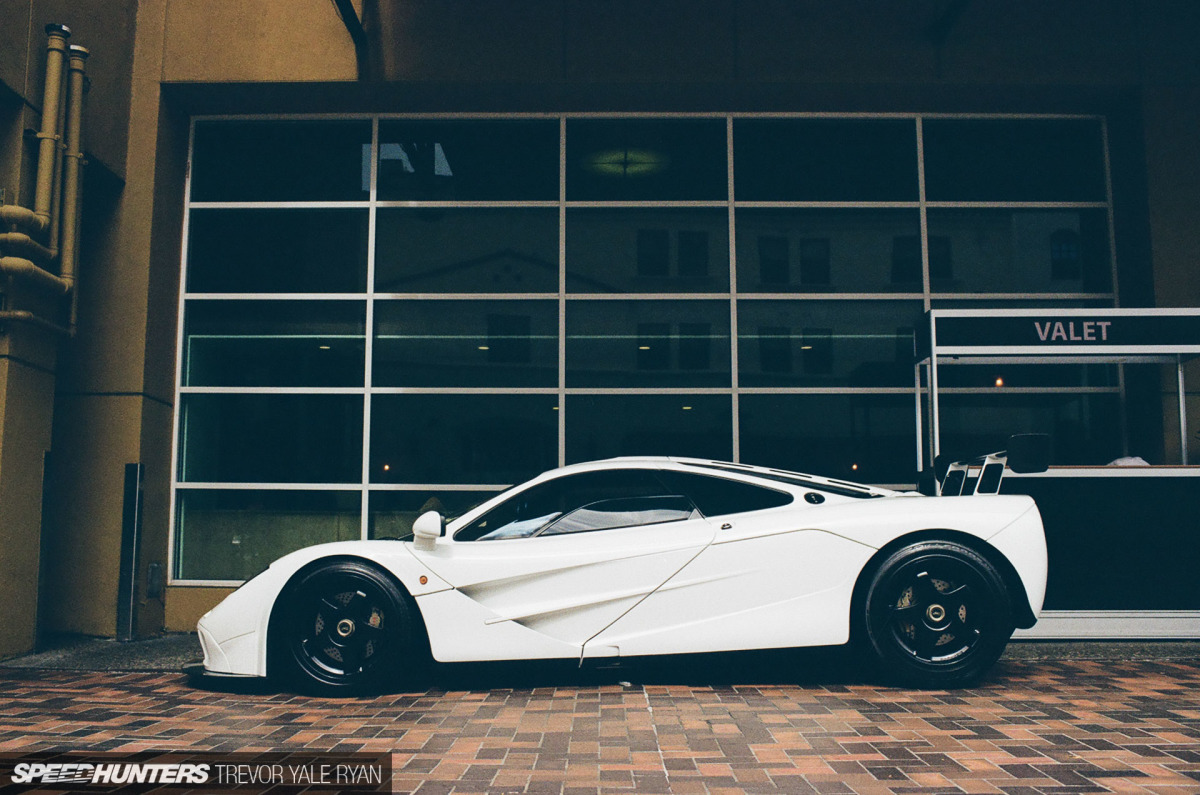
(343, 628)
(936, 614)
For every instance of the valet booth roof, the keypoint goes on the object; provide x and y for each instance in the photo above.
(1119, 503)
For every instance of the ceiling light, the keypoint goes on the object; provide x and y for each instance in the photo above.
(627, 162)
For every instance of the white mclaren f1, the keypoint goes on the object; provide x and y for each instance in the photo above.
(632, 557)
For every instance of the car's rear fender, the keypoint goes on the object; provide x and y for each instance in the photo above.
(1027, 594)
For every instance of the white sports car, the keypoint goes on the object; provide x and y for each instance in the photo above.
(650, 556)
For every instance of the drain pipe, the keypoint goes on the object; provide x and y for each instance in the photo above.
(42, 218)
(72, 173)
(56, 48)
(56, 193)
(24, 316)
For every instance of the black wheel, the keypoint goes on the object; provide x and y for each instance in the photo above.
(936, 614)
(343, 628)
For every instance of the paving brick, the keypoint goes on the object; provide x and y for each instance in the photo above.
(1035, 728)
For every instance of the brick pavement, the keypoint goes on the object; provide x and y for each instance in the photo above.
(1035, 727)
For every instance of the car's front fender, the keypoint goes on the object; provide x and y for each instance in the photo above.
(233, 634)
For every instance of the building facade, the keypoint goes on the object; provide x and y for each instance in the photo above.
(340, 258)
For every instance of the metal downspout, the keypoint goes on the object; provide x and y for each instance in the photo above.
(24, 269)
(72, 172)
(56, 48)
(23, 316)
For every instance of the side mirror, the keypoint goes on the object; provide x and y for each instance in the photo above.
(1029, 452)
(428, 529)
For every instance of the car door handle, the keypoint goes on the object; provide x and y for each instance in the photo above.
(727, 526)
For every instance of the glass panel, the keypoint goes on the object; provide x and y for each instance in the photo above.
(646, 159)
(1152, 414)
(721, 496)
(604, 426)
(467, 250)
(1014, 160)
(826, 343)
(466, 343)
(962, 373)
(647, 251)
(863, 438)
(273, 343)
(648, 343)
(533, 509)
(623, 512)
(815, 251)
(825, 159)
(392, 513)
(468, 160)
(482, 439)
(271, 438)
(1027, 251)
(233, 535)
(1084, 429)
(277, 251)
(281, 161)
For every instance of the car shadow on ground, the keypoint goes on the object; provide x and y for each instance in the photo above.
(829, 667)
(820, 666)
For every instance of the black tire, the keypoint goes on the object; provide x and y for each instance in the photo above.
(936, 615)
(343, 628)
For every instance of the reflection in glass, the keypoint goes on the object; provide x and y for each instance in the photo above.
(786, 250)
(864, 438)
(1014, 160)
(646, 159)
(466, 250)
(479, 439)
(392, 513)
(604, 426)
(280, 161)
(273, 343)
(1021, 250)
(466, 343)
(277, 251)
(233, 535)
(647, 250)
(1084, 429)
(962, 373)
(826, 343)
(648, 343)
(476, 159)
(825, 159)
(254, 438)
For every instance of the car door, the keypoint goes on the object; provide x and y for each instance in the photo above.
(771, 578)
(565, 558)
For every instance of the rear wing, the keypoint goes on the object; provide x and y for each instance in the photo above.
(1027, 452)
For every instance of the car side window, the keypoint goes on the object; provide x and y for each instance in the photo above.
(530, 511)
(623, 512)
(716, 496)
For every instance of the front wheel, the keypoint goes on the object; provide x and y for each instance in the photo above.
(936, 614)
(343, 628)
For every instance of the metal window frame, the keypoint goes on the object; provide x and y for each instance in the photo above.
(372, 204)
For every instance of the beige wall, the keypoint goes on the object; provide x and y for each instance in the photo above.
(26, 389)
(113, 405)
(260, 42)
